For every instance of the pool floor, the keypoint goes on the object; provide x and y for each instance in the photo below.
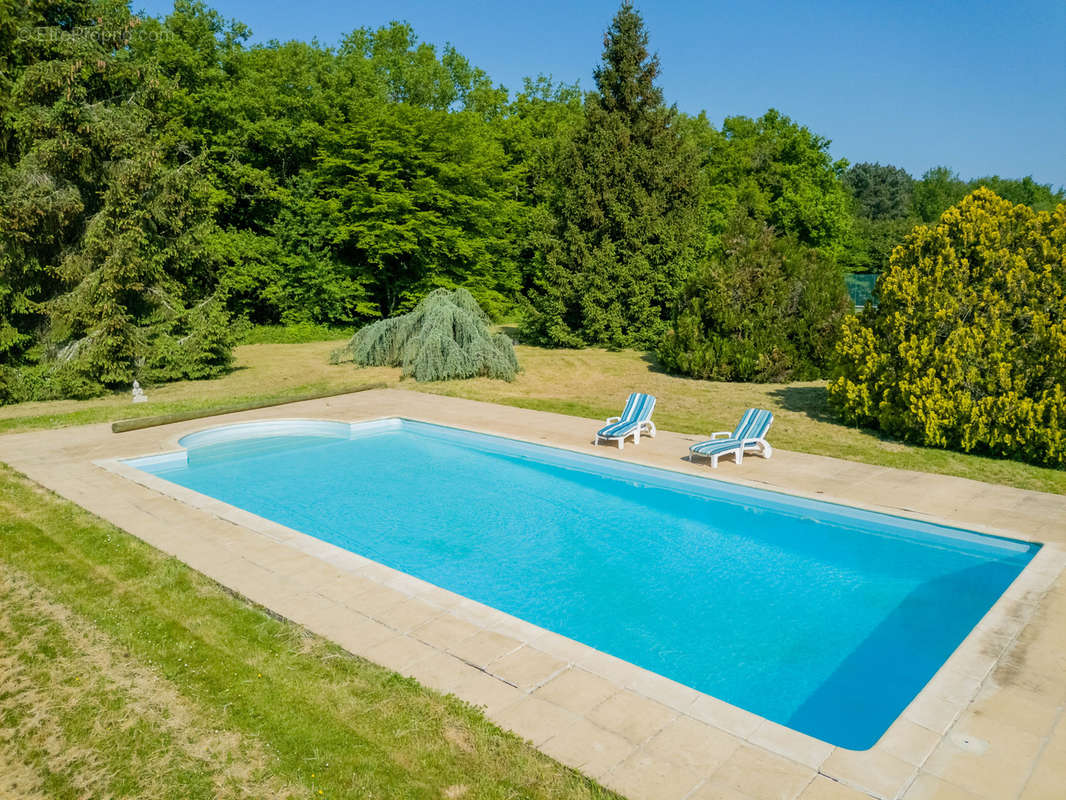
(822, 618)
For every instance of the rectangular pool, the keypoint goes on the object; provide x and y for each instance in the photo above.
(824, 618)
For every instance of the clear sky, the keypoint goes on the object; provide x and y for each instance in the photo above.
(976, 85)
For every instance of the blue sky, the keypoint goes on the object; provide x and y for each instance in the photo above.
(979, 86)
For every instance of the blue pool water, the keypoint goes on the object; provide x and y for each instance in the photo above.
(821, 617)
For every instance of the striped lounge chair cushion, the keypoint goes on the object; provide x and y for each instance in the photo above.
(753, 425)
(638, 409)
(715, 446)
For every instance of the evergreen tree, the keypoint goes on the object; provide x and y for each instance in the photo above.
(103, 210)
(881, 191)
(762, 308)
(624, 221)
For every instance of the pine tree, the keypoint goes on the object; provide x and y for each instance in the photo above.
(103, 215)
(624, 222)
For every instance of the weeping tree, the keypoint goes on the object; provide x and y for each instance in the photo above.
(446, 336)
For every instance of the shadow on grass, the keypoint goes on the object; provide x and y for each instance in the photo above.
(654, 365)
(512, 331)
(814, 402)
(810, 400)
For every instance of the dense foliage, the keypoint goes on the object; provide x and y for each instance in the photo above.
(881, 191)
(781, 173)
(763, 308)
(967, 347)
(103, 213)
(445, 336)
(623, 220)
(418, 199)
(163, 183)
(888, 203)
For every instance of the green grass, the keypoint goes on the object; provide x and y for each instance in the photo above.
(589, 383)
(125, 673)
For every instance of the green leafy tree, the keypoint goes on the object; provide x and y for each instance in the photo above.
(262, 115)
(411, 72)
(777, 171)
(623, 225)
(966, 348)
(419, 199)
(1038, 196)
(537, 127)
(763, 308)
(939, 189)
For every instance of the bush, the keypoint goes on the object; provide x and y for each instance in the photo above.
(764, 309)
(446, 336)
(966, 348)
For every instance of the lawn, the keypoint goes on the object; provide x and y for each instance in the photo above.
(590, 383)
(123, 673)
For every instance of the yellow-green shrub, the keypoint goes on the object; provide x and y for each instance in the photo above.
(966, 348)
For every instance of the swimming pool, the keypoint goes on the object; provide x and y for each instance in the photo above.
(821, 617)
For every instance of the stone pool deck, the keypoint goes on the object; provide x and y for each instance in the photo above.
(990, 724)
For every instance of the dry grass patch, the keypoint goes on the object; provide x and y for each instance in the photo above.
(590, 383)
(81, 718)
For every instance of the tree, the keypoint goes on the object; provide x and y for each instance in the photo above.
(1038, 196)
(763, 308)
(966, 348)
(102, 215)
(777, 171)
(537, 126)
(939, 189)
(623, 227)
(411, 72)
(418, 199)
(880, 191)
(446, 336)
(263, 115)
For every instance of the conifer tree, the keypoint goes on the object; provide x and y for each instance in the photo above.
(103, 214)
(624, 221)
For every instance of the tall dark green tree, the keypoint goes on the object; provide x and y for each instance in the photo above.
(103, 212)
(881, 191)
(624, 222)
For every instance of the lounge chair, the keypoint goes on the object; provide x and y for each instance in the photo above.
(750, 434)
(635, 420)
